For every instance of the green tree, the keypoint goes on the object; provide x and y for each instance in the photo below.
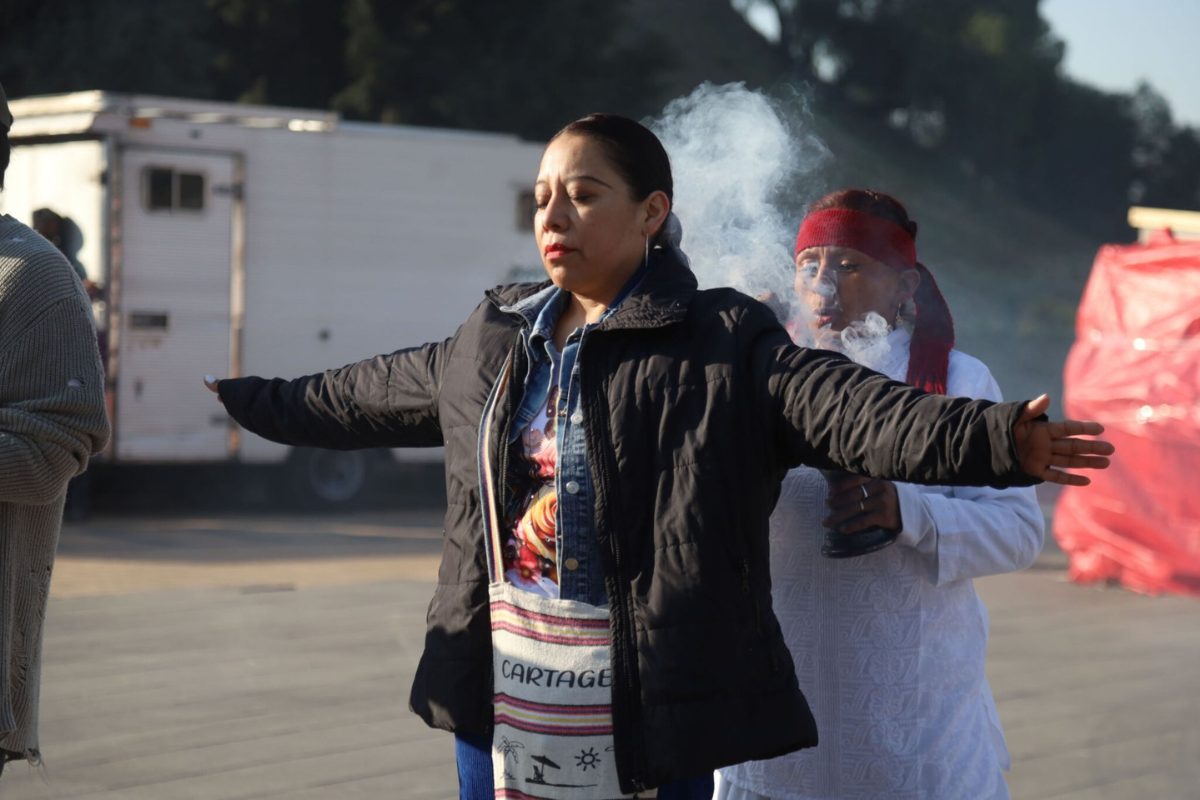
(964, 74)
(524, 66)
(1166, 158)
(1076, 162)
(147, 46)
(978, 81)
(280, 52)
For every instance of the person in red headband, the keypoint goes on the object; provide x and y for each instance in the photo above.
(862, 245)
(889, 646)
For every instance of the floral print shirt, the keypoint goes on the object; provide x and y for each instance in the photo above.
(530, 521)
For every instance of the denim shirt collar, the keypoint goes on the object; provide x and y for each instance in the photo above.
(662, 298)
(547, 318)
(541, 310)
(530, 307)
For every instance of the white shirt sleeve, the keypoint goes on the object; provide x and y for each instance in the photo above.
(968, 532)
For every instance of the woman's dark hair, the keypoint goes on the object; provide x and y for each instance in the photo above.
(5, 154)
(632, 150)
(877, 204)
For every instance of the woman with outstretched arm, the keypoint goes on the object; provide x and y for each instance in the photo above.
(615, 441)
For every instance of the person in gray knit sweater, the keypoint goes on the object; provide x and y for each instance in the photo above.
(52, 419)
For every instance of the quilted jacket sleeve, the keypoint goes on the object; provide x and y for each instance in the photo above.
(386, 401)
(828, 412)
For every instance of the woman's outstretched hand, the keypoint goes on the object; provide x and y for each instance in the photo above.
(211, 383)
(1046, 449)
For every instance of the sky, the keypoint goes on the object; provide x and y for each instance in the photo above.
(1115, 44)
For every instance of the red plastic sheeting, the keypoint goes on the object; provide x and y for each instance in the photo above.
(1135, 367)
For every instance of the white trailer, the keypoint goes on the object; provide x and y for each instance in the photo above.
(248, 240)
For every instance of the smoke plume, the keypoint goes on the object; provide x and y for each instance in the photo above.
(745, 165)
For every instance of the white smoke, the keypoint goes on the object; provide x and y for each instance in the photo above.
(741, 161)
(865, 341)
(745, 165)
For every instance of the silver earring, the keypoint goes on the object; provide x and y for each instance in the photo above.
(646, 260)
(899, 317)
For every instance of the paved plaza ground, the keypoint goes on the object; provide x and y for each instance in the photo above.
(269, 656)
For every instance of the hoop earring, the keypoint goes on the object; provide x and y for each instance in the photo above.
(646, 259)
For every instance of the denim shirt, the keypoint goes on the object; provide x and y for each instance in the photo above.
(580, 569)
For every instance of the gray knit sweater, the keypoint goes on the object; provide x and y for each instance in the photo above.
(52, 418)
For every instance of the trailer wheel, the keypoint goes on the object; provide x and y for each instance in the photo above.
(329, 477)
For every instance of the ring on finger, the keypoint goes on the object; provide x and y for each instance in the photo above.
(862, 506)
(864, 491)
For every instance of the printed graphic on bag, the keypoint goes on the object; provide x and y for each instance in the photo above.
(553, 698)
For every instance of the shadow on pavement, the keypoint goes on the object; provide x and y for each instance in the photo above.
(208, 488)
(229, 538)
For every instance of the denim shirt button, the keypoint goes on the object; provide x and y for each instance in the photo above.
(571, 564)
(577, 418)
(572, 487)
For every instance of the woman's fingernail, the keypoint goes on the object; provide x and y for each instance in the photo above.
(209, 379)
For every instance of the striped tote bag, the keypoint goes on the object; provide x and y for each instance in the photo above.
(552, 679)
(552, 698)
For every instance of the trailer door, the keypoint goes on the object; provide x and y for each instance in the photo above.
(176, 255)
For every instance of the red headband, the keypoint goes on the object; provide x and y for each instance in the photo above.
(841, 227)
(887, 242)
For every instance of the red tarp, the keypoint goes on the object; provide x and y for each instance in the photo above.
(1135, 367)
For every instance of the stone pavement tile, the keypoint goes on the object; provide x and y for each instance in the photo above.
(90, 743)
(268, 765)
(196, 779)
(413, 784)
(1151, 785)
(1058, 701)
(266, 686)
(120, 555)
(1100, 766)
(221, 655)
(1098, 690)
(217, 693)
(90, 577)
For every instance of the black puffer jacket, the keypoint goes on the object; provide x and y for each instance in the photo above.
(696, 404)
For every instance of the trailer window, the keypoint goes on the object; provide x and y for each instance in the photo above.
(159, 189)
(526, 208)
(191, 191)
(169, 190)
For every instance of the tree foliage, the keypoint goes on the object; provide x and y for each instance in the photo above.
(1166, 157)
(980, 81)
(523, 65)
(281, 52)
(160, 47)
(526, 66)
(977, 82)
